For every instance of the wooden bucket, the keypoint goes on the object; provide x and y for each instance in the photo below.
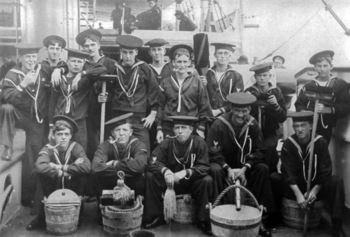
(185, 209)
(293, 216)
(121, 222)
(226, 221)
(62, 210)
(142, 233)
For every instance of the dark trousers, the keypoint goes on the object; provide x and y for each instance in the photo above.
(271, 155)
(200, 188)
(332, 193)
(36, 137)
(81, 136)
(258, 182)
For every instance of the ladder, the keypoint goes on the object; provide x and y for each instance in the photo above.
(86, 15)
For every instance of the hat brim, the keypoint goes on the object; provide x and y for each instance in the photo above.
(67, 119)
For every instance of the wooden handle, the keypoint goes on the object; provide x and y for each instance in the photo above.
(103, 110)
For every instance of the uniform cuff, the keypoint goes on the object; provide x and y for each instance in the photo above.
(225, 167)
(188, 173)
(201, 128)
(165, 169)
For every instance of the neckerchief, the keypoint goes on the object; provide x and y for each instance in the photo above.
(220, 80)
(67, 92)
(304, 158)
(183, 160)
(129, 91)
(245, 131)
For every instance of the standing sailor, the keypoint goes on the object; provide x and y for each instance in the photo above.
(54, 45)
(269, 110)
(334, 110)
(222, 79)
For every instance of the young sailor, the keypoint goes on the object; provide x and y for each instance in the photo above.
(54, 45)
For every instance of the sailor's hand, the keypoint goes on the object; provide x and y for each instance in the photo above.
(110, 163)
(160, 136)
(56, 166)
(241, 176)
(75, 82)
(231, 175)
(169, 178)
(65, 174)
(56, 77)
(216, 112)
(272, 100)
(29, 79)
(321, 109)
(200, 133)
(102, 97)
(79, 161)
(179, 175)
(148, 121)
(203, 80)
(302, 202)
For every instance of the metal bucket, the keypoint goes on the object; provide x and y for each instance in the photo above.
(62, 210)
(226, 221)
(293, 216)
(121, 222)
(184, 209)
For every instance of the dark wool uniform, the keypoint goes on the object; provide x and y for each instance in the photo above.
(236, 146)
(271, 116)
(192, 155)
(26, 109)
(190, 99)
(166, 71)
(60, 63)
(186, 24)
(49, 176)
(150, 19)
(230, 81)
(132, 160)
(295, 165)
(136, 90)
(75, 104)
(340, 106)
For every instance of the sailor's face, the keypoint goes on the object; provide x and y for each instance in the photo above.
(75, 65)
(128, 56)
(278, 63)
(239, 115)
(54, 51)
(151, 4)
(91, 47)
(181, 63)
(302, 129)
(182, 132)
(157, 53)
(263, 78)
(29, 61)
(122, 133)
(62, 137)
(323, 68)
(222, 56)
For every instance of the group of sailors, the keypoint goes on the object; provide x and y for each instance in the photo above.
(166, 126)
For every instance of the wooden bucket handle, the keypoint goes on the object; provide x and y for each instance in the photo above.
(232, 187)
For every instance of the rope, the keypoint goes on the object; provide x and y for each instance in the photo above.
(232, 187)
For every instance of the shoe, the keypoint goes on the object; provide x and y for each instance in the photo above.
(264, 232)
(36, 224)
(157, 221)
(7, 154)
(205, 227)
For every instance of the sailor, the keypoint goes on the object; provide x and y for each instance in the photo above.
(121, 152)
(183, 94)
(74, 103)
(235, 141)
(222, 79)
(89, 40)
(136, 90)
(332, 111)
(54, 45)
(269, 110)
(278, 61)
(61, 164)
(150, 19)
(186, 24)
(181, 161)
(292, 183)
(25, 104)
(161, 70)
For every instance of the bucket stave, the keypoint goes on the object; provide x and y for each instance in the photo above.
(121, 222)
(62, 210)
(185, 209)
(293, 216)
